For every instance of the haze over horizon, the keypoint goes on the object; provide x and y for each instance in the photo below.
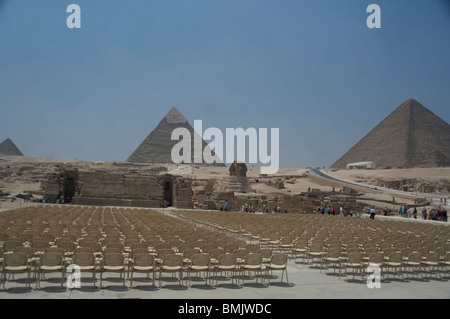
(313, 69)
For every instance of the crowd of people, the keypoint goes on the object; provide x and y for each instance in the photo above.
(439, 214)
(250, 208)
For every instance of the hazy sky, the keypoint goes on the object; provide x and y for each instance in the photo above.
(311, 68)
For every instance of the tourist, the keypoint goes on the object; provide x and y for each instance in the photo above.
(433, 214)
(439, 214)
(372, 212)
(415, 212)
(322, 210)
(424, 213)
(341, 212)
(409, 213)
(329, 210)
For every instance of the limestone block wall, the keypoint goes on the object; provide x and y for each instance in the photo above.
(107, 185)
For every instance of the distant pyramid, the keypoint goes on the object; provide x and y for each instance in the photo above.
(411, 136)
(157, 146)
(8, 148)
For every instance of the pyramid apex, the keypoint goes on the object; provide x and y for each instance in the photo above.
(175, 117)
(411, 103)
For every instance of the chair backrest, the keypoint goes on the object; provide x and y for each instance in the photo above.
(113, 259)
(215, 253)
(229, 248)
(240, 253)
(137, 245)
(162, 252)
(253, 259)
(354, 257)
(279, 259)
(333, 252)
(15, 259)
(253, 248)
(40, 244)
(161, 246)
(188, 253)
(84, 259)
(136, 252)
(395, 257)
(115, 245)
(52, 259)
(26, 250)
(84, 250)
(265, 252)
(209, 247)
(316, 247)
(94, 246)
(301, 244)
(433, 256)
(415, 257)
(228, 259)
(54, 250)
(66, 244)
(241, 243)
(11, 244)
(112, 251)
(172, 260)
(376, 258)
(144, 259)
(200, 259)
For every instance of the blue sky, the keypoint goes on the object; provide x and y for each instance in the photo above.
(311, 68)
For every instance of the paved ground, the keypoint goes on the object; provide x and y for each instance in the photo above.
(305, 283)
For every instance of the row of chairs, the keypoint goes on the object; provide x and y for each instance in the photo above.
(53, 261)
(393, 263)
(258, 226)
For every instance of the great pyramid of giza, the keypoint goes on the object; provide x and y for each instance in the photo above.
(157, 146)
(411, 136)
(8, 148)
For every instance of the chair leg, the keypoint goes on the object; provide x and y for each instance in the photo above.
(131, 279)
(38, 280)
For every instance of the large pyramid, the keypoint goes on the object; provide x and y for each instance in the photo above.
(157, 146)
(8, 148)
(411, 136)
